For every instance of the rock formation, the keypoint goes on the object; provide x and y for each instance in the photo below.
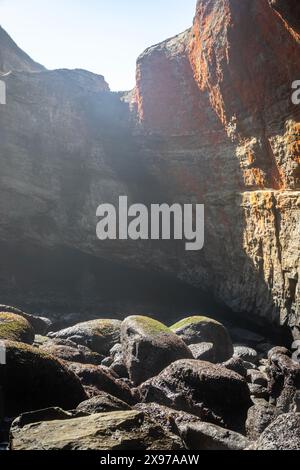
(210, 121)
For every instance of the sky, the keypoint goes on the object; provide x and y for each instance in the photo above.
(102, 36)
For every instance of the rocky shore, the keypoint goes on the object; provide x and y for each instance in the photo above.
(138, 384)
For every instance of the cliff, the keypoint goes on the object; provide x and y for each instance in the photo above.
(210, 121)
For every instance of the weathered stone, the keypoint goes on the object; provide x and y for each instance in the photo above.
(40, 325)
(246, 354)
(205, 436)
(33, 380)
(15, 328)
(259, 418)
(102, 403)
(208, 391)
(47, 414)
(122, 430)
(203, 352)
(148, 347)
(258, 391)
(282, 434)
(69, 351)
(97, 379)
(257, 378)
(236, 365)
(284, 381)
(98, 335)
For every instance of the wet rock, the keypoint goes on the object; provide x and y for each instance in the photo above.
(167, 418)
(284, 381)
(148, 347)
(122, 430)
(40, 325)
(100, 379)
(15, 328)
(35, 380)
(246, 354)
(203, 352)
(282, 434)
(205, 436)
(236, 365)
(98, 335)
(259, 418)
(213, 393)
(198, 329)
(257, 378)
(69, 351)
(47, 414)
(102, 403)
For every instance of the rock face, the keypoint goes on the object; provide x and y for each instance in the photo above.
(125, 430)
(211, 121)
(32, 380)
(210, 392)
(149, 347)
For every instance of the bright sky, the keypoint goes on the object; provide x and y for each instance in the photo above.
(103, 36)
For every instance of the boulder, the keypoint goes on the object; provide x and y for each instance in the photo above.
(40, 325)
(69, 351)
(284, 383)
(102, 403)
(195, 330)
(260, 416)
(148, 347)
(32, 380)
(15, 328)
(98, 379)
(121, 430)
(257, 378)
(246, 354)
(205, 436)
(47, 414)
(208, 391)
(282, 434)
(204, 352)
(258, 391)
(98, 335)
(236, 365)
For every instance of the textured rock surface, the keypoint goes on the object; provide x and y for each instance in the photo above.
(102, 403)
(260, 416)
(210, 392)
(210, 121)
(125, 430)
(204, 436)
(282, 434)
(15, 328)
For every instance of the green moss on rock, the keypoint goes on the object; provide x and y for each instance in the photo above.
(15, 328)
(192, 320)
(149, 325)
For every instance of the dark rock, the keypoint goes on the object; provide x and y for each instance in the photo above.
(257, 378)
(259, 418)
(121, 430)
(98, 335)
(204, 352)
(246, 354)
(257, 391)
(205, 436)
(236, 365)
(72, 352)
(282, 434)
(284, 381)
(101, 379)
(15, 328)
(47, 414)
(246, 337)
(211, 392)
(148, 347)
(199, 329)
(102, 403)
(32, 380)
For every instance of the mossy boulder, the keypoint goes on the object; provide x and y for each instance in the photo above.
(148, 347)
(40, 325)
(98, 335)
(32, 380)
(15, 328)
(69, 351)
(199, 329)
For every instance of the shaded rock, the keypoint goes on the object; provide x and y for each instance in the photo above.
(211, 392)
(120, 369)
(32, 380)
(98, 335)
(107, 362)
(259, 418)
(69, 351)
(205, 436)
(199, 329)
(247, 337)
(278, 350)
(102, 403)
(246, 354)
(47, 414)
(122, 430)
(167, 418)
(40, 325)
(257, 378)
(236, 365)
(148, 347)
(257, 391)
(282, 434)
(15, 328)
(203, 352)
(101, 379)
(284, 381)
